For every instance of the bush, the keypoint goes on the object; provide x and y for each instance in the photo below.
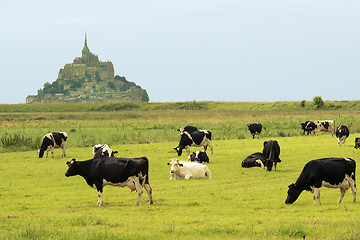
(318, 102)
(20, 142)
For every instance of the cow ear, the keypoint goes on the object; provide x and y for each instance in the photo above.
(115, 152)
(181, 165)
(265, 143)
(291, 185)
(68, 163)
(168, 163)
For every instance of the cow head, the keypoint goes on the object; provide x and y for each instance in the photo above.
(248, 125)
(269, 164)
(357, 142)
(175, 166)
(41, 153)
(73, 168)
(178, 150)
(293, 194)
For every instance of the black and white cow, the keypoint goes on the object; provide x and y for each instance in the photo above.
(102, 150)
(357, 143)
(342, 132)
(325, 172)
(308, 127)
(254, 160)
(196, 139)
(121, 172)
(255, 129)
(271, 152)
(51, 141)
(325, 126)
(198, 156)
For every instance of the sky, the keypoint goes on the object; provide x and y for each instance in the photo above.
(186, 50)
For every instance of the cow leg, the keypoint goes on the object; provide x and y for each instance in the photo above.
(353, 188)
(139, 189)
(52, 152)
(149, 192)
(99, 188)
(63, 152)
(317, 195)
(342, 194)
(210, 146)
(187, 150)
(275, 166)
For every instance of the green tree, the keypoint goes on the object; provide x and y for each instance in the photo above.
(318, 102)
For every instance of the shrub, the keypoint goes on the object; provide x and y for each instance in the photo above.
(318, 102)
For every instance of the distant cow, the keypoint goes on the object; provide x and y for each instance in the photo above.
(357, 143)
(325, 172)
(187, 170)
(51, 141)
(255, 129)
(102, 150)
(271, 152)
(198, 156)
(325, 126)
(308, 127)
(121, 172)
(196, 139)
(254, 160)
(342, 132)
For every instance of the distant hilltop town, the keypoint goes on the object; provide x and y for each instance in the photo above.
(88, 79)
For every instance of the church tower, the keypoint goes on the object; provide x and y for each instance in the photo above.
(87, 56)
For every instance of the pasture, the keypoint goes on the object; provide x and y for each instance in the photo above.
(39, 202)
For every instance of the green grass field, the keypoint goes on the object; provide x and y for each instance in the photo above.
(39, 202)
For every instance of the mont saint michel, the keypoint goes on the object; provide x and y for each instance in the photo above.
(88, 79)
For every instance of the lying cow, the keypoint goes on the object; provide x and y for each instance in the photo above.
(271, 152)
(308, 127)
(196, 139)
(325, 172)
(102, 150)
(325, 126)
(51, 141)
(187, 170)
(198, 156)
(342, 132)
(254, 160)
(121, 172)
(357, 143)
(255, 129)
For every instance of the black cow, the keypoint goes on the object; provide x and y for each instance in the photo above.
(198, 156)
(255, 129)
(102, 150)
(196, 139)
(342, 132)
(121, 172)
(51, 141)
(271, 152)
(325, 172)
(308, 127)
(254, 160)
(357, 143)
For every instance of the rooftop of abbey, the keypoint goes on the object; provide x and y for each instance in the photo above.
(88, 79)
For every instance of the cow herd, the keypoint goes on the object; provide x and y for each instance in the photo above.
(106, 169)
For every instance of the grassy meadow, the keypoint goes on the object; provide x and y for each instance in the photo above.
(39, 202)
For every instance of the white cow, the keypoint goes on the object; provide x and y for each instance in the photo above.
(186, 170)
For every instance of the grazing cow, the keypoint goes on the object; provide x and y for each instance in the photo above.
(196, 139)
(198, 156)
(308, 127)
(102, 150)
(271, 152)
(51, 141)
(357, 143)
(255, 129)
(325, 126)
(121, 172)
(254, 160)
(325, 172)
(342, 132)
(187, 170)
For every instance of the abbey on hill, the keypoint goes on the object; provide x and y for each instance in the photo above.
(88, 79)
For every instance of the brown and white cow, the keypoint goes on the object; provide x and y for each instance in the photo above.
(51, 141)
(325, 126)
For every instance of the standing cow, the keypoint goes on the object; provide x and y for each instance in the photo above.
(325, 126)
(308, 127)
(325, 172)
(254, 160)
(102, 150)
(51, 141)
(120, 172)
(271, 152)
(255, 129)
(187, 170)
(196, 139)
(342, 132)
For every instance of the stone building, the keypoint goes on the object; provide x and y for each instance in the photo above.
(88, 79)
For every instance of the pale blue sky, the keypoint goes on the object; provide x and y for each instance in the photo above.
(228, 50)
